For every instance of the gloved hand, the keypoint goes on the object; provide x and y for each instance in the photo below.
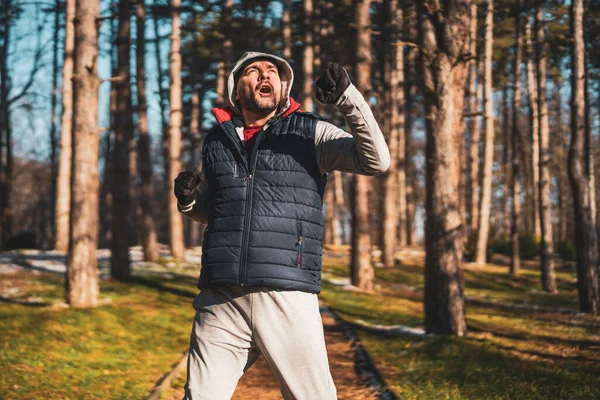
(185, 186)
(332, 84)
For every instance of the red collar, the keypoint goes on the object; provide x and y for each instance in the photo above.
(226, 113)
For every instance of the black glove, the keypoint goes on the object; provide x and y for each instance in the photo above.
(185, 187)
(332, 84)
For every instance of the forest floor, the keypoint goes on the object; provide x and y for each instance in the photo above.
(522, 342)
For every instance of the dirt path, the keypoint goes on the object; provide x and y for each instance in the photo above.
(259, 382)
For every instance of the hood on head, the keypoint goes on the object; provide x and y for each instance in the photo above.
(285, 74)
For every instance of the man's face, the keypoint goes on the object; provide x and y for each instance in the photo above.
(259, 88)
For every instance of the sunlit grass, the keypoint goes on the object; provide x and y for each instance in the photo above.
(115, 351)
(513, 350)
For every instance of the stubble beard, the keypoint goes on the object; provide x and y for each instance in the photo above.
(256, 104)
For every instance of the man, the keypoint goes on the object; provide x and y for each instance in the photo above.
(264, 170)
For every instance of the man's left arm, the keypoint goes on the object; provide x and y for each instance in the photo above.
(363, 150)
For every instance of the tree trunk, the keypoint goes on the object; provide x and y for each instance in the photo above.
(82, 288)
(506, 135)
(63, 184)
(560, 160)
(122, 228)
(409, 111)
(547, 243)
(195, 233)
(225, 63)
(286, 29)
(360, 265)
(474, 130)
(488, 160)
(585, 232)
(307, 58)
(53, 105)
(338, 235)
(176, 225)
(163, 112)
(515, 227)
(444, 48)
(589, 143)
(393, 181)
(5, 130)
(149, 240)
(534, 121)
(329, 229)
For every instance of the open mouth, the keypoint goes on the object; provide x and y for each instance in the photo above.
(265, 90)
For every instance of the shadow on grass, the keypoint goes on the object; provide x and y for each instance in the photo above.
(158, 285)
(24, 302)
(550, 340)
(470, 367)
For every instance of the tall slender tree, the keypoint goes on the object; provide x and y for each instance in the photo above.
(148, 230)
(53, 106)
(393, 180)
(585, 231)
(307, 57)
(474, 130)
(515, 226)
(5, 125)
(488, 159)
(444, 43)
(63, 184)
(82, 275)
(175, 106)
(534, 121)
(360, 265)
(547, 243)
(122, 228)
(286, 29)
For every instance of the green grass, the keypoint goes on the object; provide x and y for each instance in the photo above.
(115, 351)
(119, 349)
(509, 353)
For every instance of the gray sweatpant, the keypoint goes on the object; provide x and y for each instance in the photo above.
(233, 325)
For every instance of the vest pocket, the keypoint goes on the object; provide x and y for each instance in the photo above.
(299, 244)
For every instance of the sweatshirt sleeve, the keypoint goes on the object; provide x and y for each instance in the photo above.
(363, 150)
(199, 209)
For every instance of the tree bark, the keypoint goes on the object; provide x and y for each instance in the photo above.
(535, 132)
(175, 222)
(53, 106)
(225, 63)
(5, 130)
(307, 58)
(163, 112)
(122, 228)
(444, 48)
(338, 234)
(547, 243)
(474, 130)
(585, 232)
(488, 160)
(360, 266)
(409, 111)
(506, 135)
(515, 227)
(63, 184)
(82, 288)
(393, 181)
(149, 241)
(286, 29)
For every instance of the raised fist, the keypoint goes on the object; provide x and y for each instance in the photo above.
(185, 186)
(332, 84)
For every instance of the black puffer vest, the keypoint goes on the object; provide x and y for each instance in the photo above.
(266, 222)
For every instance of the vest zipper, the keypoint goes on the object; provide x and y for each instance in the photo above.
(299, 245)
(248, 213)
